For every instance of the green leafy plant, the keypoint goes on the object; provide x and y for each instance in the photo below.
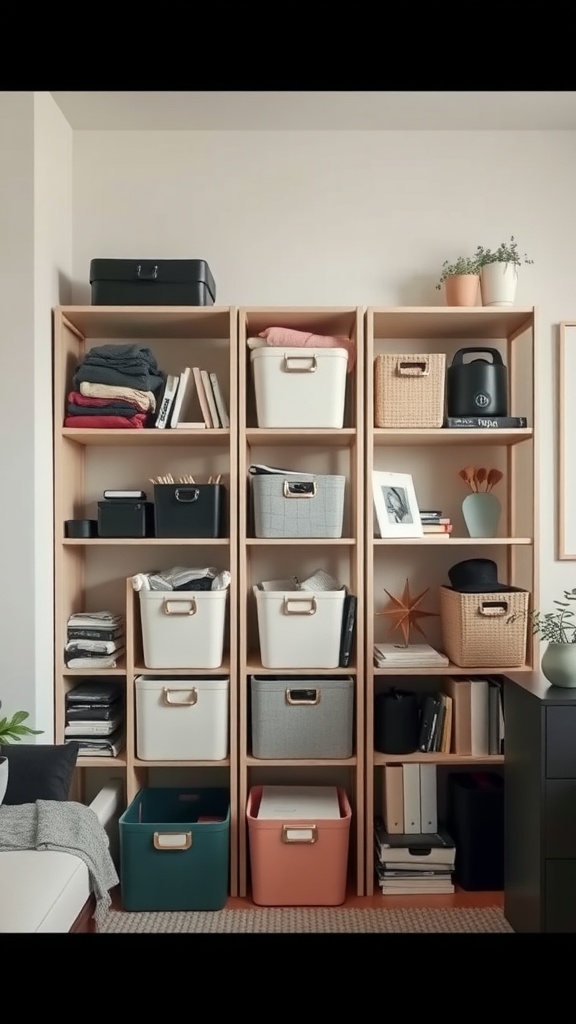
(12, 730)
(507, 252)
(556, 627)
(463, 265)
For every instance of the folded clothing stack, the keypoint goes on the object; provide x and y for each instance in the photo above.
(115, 386)
(94, 640)
(95, 718)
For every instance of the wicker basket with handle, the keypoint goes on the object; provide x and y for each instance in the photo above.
(409, 390)
(476, 628)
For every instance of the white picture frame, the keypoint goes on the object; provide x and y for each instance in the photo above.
(396, 505)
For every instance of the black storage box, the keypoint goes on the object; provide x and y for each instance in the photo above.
(190, 510)
(396, 721)
(475, 820)
(152, 283)
(125, 518)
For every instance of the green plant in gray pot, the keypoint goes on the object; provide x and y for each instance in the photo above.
(558, 630)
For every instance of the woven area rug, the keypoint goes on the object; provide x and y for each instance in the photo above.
(309, 919)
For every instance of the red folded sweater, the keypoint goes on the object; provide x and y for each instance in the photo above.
(107, 422)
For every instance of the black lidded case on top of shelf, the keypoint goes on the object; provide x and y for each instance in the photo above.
(151, 283)
(190, 510)
(118, 518)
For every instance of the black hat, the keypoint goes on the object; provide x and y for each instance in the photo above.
(476, 576)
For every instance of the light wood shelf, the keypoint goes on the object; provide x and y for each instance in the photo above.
(84, 580)
(433, 457)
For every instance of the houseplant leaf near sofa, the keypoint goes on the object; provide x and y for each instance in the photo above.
(11, 731)
(498, 270)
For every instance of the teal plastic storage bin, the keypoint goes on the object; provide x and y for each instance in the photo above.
(174, 849)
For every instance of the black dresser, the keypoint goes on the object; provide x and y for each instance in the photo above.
(539, 805)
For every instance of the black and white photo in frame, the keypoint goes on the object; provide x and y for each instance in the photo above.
(396, 505)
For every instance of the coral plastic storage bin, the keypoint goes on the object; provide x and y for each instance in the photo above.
(298, 861)
(300, 387)
(183, 629)
(174, 849)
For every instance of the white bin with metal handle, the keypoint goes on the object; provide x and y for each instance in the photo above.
(183, 719)
(300, 387)
(299, 628)
(183, 629)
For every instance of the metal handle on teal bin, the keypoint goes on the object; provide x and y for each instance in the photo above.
(172, 840)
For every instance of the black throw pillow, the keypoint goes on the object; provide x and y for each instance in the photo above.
(39, 771)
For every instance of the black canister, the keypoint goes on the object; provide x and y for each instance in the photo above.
(478, 387)
(396, 721)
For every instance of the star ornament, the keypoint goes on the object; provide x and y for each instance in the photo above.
(406, 611)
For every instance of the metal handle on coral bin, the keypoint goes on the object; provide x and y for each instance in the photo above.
(299, 833)
(413, 369)
(172, 840)
(179, 703)
(300, 369)
(190, 602)
(493, 609)
(299, 611)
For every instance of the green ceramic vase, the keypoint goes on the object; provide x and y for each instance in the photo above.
(559, 664)
(481, 512)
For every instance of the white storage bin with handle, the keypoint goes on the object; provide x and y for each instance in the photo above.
(183, 629)
(300, 387)
(181, 719)
(299, 628)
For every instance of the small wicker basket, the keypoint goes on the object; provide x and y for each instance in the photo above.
(476, 631)
(409, 390)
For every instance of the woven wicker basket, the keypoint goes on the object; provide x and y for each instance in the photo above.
(409, 390)
(476, 631)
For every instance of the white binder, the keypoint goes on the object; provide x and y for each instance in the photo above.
(428, 799)
(411, 772)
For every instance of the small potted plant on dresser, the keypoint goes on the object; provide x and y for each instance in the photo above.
(460, 279)
(498, 270)
(11, 731)
(558, 629)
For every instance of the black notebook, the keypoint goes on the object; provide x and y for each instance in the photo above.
(348, 630)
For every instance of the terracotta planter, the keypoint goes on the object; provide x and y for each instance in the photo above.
(461, 289)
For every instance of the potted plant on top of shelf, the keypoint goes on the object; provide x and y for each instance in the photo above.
(498, 270)
(558, 629)
(460, 280)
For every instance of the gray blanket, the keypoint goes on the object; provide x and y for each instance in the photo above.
(67, 827)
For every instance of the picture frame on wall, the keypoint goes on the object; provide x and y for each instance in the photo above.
(395, 505)
(566, 505)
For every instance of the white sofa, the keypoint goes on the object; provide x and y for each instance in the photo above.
(46, 891)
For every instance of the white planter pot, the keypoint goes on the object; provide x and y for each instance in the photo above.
(498, 282)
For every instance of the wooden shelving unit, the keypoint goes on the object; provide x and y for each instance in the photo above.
(94, 574)
(433, 456)
(320, 451)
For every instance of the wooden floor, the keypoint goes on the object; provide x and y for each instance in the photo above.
(461, 898)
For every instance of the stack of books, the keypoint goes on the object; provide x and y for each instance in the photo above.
(95, 718)
(413, 864)
(433, 522)
(194, 392)
(410, 656)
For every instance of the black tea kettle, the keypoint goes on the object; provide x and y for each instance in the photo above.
(479, 387)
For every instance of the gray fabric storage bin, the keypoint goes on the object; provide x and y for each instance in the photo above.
(298, 505)
(311, 716)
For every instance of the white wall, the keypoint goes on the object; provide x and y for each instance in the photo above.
(35, 258)
(329, 218)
